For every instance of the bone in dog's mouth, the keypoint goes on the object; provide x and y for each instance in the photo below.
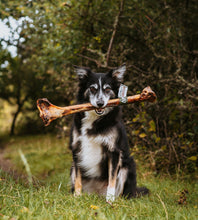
(50, 112)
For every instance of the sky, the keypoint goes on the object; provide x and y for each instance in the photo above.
(6, 33)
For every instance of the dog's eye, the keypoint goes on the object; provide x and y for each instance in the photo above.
(108, 89)
(93, 89)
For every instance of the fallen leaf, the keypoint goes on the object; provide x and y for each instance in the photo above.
(94, 207)
(24, 209)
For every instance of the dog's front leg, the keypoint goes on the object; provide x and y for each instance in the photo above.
(113, 165)
(78, 182)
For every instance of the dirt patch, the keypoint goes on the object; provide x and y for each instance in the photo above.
(7, 166)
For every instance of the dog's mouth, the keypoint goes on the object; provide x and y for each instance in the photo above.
(99, 111)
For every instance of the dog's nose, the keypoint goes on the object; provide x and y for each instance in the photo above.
(100, 103)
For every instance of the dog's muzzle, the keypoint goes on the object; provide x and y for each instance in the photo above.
(100, 107)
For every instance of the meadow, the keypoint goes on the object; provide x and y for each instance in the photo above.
(36, 185)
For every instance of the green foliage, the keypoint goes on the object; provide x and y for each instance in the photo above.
(177, 153)
(157, 40)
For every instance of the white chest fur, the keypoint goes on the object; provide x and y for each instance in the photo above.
(90, 157)
(91, 146)
(91, 150)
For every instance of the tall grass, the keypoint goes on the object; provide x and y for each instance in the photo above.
(49, 161)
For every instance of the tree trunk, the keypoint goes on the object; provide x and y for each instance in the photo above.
(14, 119)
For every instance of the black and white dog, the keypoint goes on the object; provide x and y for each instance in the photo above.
(101, 159)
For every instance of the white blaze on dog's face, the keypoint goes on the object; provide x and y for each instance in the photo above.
(99, 95)
(100, 87)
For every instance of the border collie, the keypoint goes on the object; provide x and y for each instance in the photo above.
(101, 159)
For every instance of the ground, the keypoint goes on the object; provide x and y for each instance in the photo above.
(35, 184)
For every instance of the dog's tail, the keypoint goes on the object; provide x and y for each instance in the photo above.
(142, 191)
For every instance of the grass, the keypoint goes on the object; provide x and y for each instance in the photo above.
(49, 197)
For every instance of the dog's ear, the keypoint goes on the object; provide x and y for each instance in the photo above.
(118, 73)
(82, 72)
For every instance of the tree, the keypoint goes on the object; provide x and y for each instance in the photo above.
(157, 40)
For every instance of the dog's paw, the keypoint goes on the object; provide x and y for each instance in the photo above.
(77, 193)
(110, 197)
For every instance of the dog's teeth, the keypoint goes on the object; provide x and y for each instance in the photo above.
(99, 111)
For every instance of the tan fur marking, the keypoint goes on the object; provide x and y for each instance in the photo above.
(78, 184)
(112, 178)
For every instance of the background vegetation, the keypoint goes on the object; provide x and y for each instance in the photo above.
(156, 39)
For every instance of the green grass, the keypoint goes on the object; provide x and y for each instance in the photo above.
(49, 160)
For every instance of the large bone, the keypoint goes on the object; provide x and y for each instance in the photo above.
(50, 112)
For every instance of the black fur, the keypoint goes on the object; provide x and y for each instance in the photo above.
(103, 125)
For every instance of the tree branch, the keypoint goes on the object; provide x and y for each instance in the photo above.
(98, 63)
(114, 31)
(90, 59)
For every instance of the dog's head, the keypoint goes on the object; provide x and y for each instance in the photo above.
(98, 88)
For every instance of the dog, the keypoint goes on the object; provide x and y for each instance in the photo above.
(101, 158)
